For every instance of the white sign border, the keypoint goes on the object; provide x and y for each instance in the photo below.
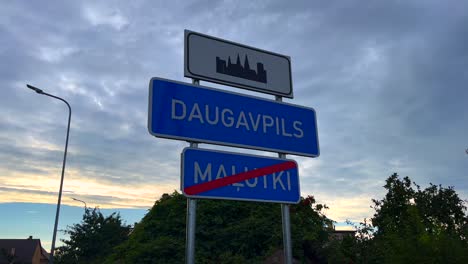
(189, 139)
(229, 198)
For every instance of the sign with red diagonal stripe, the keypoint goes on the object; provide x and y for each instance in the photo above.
(232, 176)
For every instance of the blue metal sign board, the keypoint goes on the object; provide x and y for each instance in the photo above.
(232, 176)
(195, 113)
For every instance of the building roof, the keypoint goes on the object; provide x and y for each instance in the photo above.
(23, 248)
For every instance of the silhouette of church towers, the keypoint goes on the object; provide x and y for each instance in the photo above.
(237, 70)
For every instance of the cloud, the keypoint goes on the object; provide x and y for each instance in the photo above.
(105, 194)
(354, 209)
(54, 55)
(101, 16)
(387, 80)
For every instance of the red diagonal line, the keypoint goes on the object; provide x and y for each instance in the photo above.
(207, 186)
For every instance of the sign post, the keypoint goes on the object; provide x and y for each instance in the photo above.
(191, 225)
(199, 114)
(285, 220)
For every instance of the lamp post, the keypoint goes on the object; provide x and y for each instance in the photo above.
(39, 91)
(78, 200)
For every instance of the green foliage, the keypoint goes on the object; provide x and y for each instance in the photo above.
(411, 225)
(92, 239)
(227, 232)
(310, 230)
(159, 237)
(341, 251)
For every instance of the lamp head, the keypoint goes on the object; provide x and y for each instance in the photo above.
(37, 90)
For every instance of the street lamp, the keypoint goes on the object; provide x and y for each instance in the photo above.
(78, 200)
(39, 91)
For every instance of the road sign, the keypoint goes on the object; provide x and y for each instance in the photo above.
(232, 176)
(225, 62)
(195, 113)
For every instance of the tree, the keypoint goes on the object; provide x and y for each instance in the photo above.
(415, 225)
(227, 232)
(93, 239)
(160, 235)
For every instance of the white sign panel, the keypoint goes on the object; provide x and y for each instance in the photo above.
(225, 62)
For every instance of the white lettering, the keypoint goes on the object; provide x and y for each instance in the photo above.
(238, 185)
(267, 124)
(174, 112)
(298, 129)
(197, 114)
(230, 118)
(221, 172)
(203, 176)
(211, 115)
(242, 121)
(233, 169)
(284, 130)
(207, 115)
(254, 123)
(252, 184)
(276, 179)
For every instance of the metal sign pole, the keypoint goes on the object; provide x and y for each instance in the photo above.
(191, 217)
(286, 233)
(286, 220)
(191, 226)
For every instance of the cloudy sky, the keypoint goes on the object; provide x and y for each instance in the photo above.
(388, 80)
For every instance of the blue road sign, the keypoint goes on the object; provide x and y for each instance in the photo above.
(195, 113)
(232, 176)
